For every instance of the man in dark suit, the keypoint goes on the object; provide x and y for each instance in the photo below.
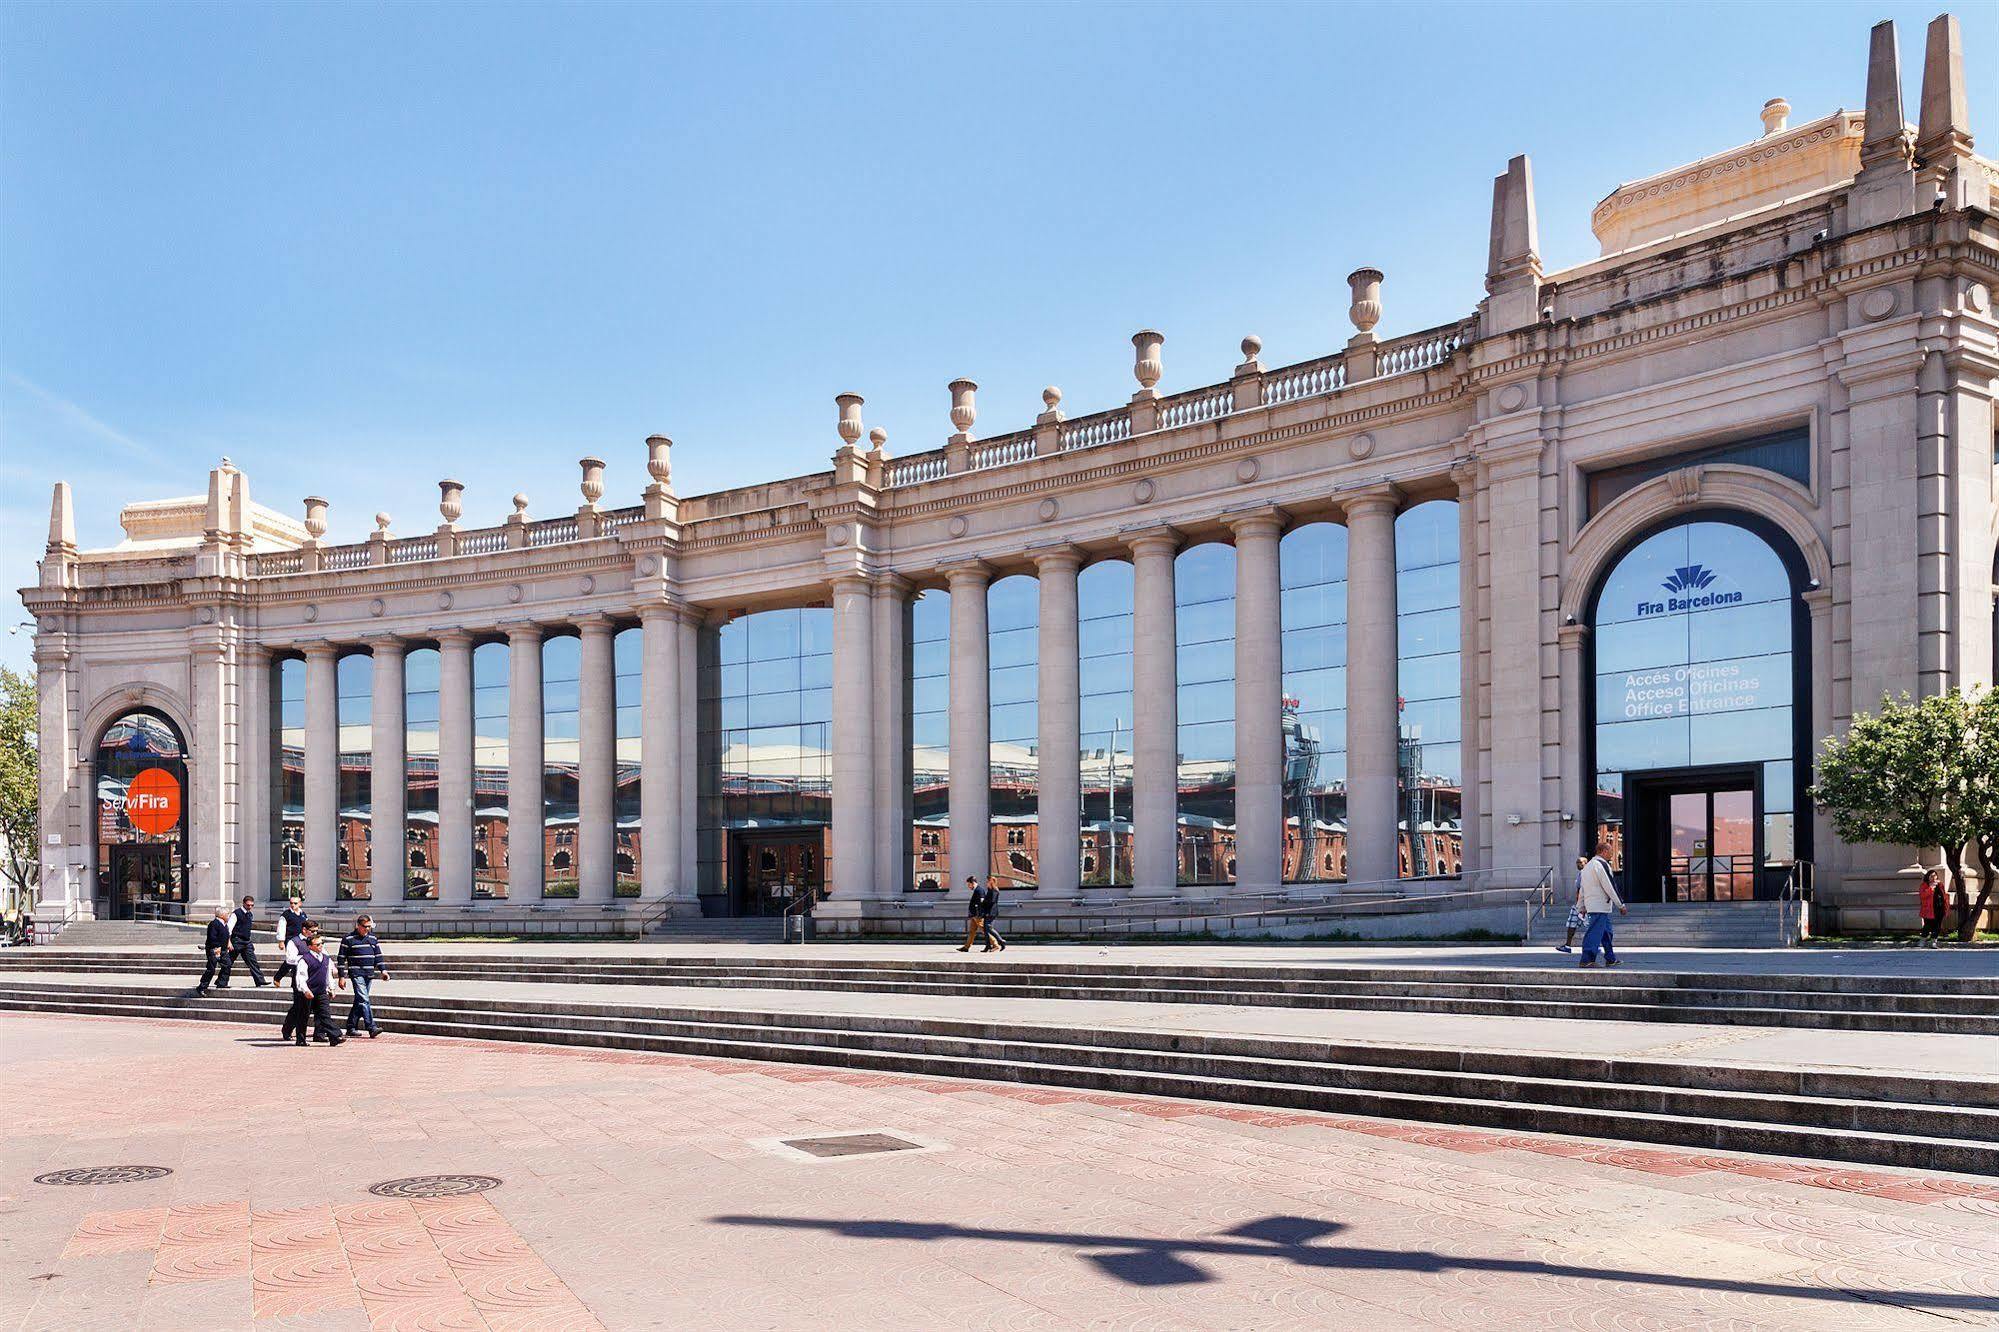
(975, 919)
(216, 948)
(242, 945)
(989, 918)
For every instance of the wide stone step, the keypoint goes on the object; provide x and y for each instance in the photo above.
(1936, 1123)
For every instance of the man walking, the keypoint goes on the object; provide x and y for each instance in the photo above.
(295, 950)
(989, 917)
(216, 948)
(975, 919)
(313, 983)
(361, 961)
(1599, 898)
(242, 944)
(291, 923)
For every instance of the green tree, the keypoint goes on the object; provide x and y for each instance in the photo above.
(19, 783)
(1919, 774)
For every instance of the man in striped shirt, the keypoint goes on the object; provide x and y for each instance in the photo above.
(361, 962)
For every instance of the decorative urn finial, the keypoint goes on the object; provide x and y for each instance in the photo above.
(659, 461)
(850, 416)
(1051, 398)
(315, 516)
(451, 501)
(382, 523)
(964, 405)
(1366, 308)
(878, 442)
(1148, 366)
(593, 480)
(1252, 347)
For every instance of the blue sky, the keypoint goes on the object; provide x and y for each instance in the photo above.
(359, 249)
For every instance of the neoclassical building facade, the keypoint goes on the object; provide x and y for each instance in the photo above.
(1600, 562)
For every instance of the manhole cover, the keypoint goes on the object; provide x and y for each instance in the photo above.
(851, 1144)
(104, 1175)
(434, 1186)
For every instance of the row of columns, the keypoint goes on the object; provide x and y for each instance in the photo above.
(666, 755)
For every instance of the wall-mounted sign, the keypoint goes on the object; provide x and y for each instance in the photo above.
(152, 802)
(1689, 691)
(1687, 590)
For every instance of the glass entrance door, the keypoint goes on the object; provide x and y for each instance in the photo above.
(774, 870)
(1693, 836)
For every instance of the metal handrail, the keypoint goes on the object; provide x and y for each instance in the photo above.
(799, 909)
(1539, 899)
(652, 915)
(1793, 913)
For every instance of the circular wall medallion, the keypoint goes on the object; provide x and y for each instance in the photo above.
(1511, 398)
(434, 1186)
(1143, 492)
(1977, 298)
(1878, 304)
(587, 583)
(1246, 470)
(647, 564)
(514, 593)
(1361, 446)
(118, 1174)
(444, 600)
(1048, 508)
(836, 535)
(311, 614)
(377, 606)
(205, 615)
(958, 526)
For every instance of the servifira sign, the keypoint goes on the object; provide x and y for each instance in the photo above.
(1688, 589)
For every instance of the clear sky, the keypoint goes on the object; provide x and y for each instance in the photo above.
(358, 249)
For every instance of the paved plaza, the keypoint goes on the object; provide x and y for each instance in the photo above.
(641, 1191)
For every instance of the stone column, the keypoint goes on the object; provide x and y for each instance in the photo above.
(853, 834)
(388, 802)
(253, 760)
(660, 829)
(526, 858)
(1259, 703)
(454, 768)
(1510, 477)
(322, 775)
(1373, 715)
(971, 727)
(1155, 732)
(596, 787)
(1059, 725)
(205, 806)
(1576, 782)
(891, 758)
(687, 799)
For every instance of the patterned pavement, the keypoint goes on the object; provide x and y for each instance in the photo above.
(652, 1191)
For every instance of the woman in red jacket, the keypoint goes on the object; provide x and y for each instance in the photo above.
(1932, 903)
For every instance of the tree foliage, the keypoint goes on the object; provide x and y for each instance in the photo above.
(19, 782)
(1921, 774)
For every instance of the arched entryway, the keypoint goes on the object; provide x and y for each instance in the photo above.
(140, 776)
(1699, 704)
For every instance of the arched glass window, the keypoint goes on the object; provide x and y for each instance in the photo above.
(1313, 573)
(1429, 765)
(1013, 656)
(491, 667)
(628, 654)
(1204, 656)
(1104, 593)
(141, 769)
(1695, 730)
(929, 738)
(561, 760)
(420, 704)
(287, 777)
(354, 679)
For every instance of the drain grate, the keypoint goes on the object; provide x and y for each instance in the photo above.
(851, 1144)
(434, 1186)
(119, 1174)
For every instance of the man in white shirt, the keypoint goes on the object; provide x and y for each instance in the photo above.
(1597, 894)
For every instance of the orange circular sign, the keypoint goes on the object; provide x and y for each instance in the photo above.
(152, 802)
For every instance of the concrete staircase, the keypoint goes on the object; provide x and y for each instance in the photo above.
(1681, 925)
(1853, 1003)
(1921, 1122)
(718, 929)
(84, 934)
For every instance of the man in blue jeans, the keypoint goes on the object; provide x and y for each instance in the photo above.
(361, 962)
(1597, 896)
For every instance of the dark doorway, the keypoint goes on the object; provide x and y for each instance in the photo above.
(145, 883)
(774, 869)
(1695, 835)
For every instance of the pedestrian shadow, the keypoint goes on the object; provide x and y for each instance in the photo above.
(1147, 1260)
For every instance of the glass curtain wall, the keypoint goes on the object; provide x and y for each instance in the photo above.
(930, 740)
(1204, 638)
(628, 654)
(1429, 764)
(1104, 594)
(420, 700)
(288, 778)
(354, 691)
(490, 669)
(1013, 655)
(1313, 574)
(561, 755)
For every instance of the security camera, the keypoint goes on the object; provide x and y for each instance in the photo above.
(1818, 237)
(1939, 200)
(1547, 314)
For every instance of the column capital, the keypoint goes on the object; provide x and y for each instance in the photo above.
(1572, 636)
(452, 637)
(253, 654)
(967, 573)
(319, 647)
(853, 581)
(1152, 539)
(1059, 557)
(1260, 520)
(892, 585)
(385, 643)
(523, 632)
(670, 611)
(595, 624)
(1384, 498)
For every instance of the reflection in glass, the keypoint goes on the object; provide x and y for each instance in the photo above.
(288, 778)
(561, 763)
(930, 740)
(420, 700)
(1429, 764)
(1313, 575)
(354, 679)
(1204, 655)
(490, 833)
(767, 803)
(628, 657)
(138, 871)
(1013, 657)
(1104, 603)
